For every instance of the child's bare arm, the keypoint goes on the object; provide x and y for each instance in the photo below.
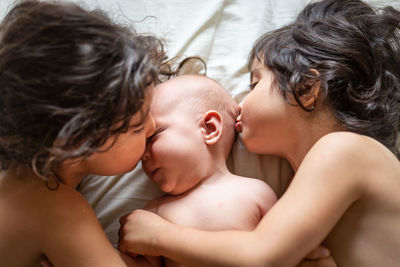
(141, 261)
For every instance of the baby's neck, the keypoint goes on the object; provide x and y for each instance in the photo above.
(218, 174)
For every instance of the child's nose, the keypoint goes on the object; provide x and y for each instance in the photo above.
(151, 126)
(146, 154)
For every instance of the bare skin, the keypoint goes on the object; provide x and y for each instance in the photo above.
(39, 223)
(345, 193)
(204, 195)
(217, 204)
(187, 156)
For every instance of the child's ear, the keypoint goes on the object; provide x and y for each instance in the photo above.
(211, 127)
(308, 91)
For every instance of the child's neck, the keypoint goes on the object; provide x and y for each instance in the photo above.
(70, 175)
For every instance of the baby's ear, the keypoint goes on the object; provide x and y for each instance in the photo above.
(211, 127)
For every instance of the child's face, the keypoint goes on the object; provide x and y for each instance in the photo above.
(266, 119)
(172, 155)
(129, 147)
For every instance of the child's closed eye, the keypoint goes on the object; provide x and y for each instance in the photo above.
(138, 131)
(252, 85)
(150, 139)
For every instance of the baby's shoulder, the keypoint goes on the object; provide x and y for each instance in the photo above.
(254, 185)
(254, 190)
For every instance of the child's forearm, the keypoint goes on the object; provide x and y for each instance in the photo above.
(199, 248)
(146, 233)
(140, 261)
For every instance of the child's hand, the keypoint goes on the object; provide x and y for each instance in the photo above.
(319, 257)
(44, 262)
(139, 231)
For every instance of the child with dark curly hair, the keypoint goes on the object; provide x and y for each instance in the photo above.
(75, 94)
(325, 94)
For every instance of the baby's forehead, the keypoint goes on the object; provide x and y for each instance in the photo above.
(192, 93)
(178, 90)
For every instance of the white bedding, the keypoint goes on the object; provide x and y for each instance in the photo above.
(221, 32)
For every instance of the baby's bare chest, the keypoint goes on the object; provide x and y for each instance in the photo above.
(212, 211)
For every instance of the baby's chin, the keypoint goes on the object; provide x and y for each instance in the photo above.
(172, 190)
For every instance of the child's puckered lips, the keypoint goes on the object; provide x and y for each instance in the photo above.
(238, 124)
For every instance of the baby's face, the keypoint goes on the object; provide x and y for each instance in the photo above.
(172, 155)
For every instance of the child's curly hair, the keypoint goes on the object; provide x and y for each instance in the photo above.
(355, 52)
(69, 80)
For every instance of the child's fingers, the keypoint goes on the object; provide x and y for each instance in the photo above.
(318, 253)
(325, 262)
(45, 263)
(122, 219)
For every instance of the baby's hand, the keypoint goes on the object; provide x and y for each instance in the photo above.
(319, 257)
(139, 232)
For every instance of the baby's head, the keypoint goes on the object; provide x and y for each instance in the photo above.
(70, 80)
(195, 120)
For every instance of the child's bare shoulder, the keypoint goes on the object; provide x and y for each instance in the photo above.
(347, 147)
(34, 218)
(46, 209)
(344, 156)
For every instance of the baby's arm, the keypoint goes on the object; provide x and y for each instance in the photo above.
(324, 187)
